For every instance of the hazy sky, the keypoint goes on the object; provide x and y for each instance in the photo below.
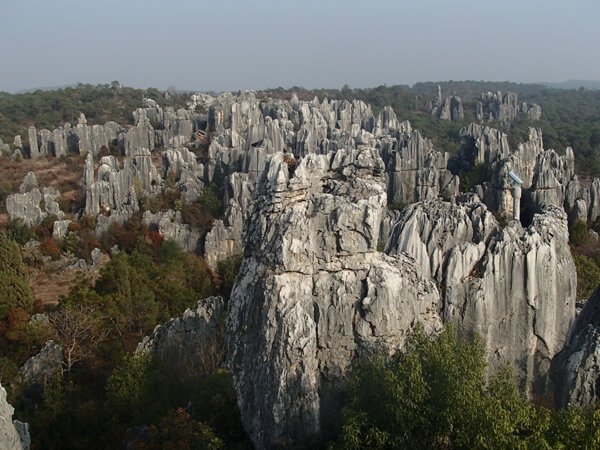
(252, 44)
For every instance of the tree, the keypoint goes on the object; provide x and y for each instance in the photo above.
(14, 286)
(434, 395)
(588, 276)
(178, 430)
(79, 330)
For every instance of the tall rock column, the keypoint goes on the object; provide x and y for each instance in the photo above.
(514, 286)
(313, 293)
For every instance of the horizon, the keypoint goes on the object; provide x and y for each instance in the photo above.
(566, 84)
(262, 44)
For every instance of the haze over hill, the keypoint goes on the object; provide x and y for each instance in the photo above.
(234, 44)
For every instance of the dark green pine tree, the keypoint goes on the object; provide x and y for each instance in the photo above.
(14, 286)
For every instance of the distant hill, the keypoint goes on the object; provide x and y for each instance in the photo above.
(575, 84)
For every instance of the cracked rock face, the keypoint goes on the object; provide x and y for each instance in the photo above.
(14, 435)
(313, 293)
(190, 345)
(576, 368)
(514, 286)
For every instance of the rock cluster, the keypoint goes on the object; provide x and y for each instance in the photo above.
(514, 286)
(504, 107)
(446, 108)
(31, 204)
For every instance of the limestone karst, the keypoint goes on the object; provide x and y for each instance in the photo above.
(305, 187)
(14, 435)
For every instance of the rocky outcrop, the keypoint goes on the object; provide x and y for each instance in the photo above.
(514, 286)
(313, 293)
(191, 345)
(504, 107)
(33, 205)
(446, 108)
(169, 225)
(14, 435)
(42, 367)
(577, 367)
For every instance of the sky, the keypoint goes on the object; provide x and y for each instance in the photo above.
(228, 45)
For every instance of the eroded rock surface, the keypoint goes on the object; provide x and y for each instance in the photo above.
(514, 286)
(191, 345)
(313, 293)
(14, 435)
(577, 367)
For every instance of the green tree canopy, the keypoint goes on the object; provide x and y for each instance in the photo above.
(14, 286)
(435, 395)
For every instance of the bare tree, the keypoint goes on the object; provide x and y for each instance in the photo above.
(79, 330)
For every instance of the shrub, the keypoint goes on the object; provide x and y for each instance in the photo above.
(588, 276)
(14, 287)
(20, 232)
(578, 233)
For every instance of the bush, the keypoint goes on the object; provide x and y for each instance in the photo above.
(14, 285)
(588, 276)
(19, 231)
(578, 233)
(479, 173)
(434, 395)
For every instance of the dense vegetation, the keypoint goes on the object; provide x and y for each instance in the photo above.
(101, 391)
(435, 395)
(100, 104)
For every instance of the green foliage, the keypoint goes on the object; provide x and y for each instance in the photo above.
(100, 104)
(210, 200)
(397, 206)
(478, 174)
(178, 430)
(578, 233)
(19, 231)
(14, 287)
(588, 276)
(575, 428)
(214, 403)
(140, 390)
(228, 270)
(434, 395)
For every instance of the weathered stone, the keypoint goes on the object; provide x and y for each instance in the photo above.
(576, 368)
(44, 366)
(514, 286)
(60, 229)
(34, 151)
(169, 225)
(191, 345)
(14, 435)
(316, 291)
(504, 107)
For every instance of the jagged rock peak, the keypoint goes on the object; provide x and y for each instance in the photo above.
(515, 286)
(313, 293)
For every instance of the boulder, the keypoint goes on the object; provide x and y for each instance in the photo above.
(44, 366)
